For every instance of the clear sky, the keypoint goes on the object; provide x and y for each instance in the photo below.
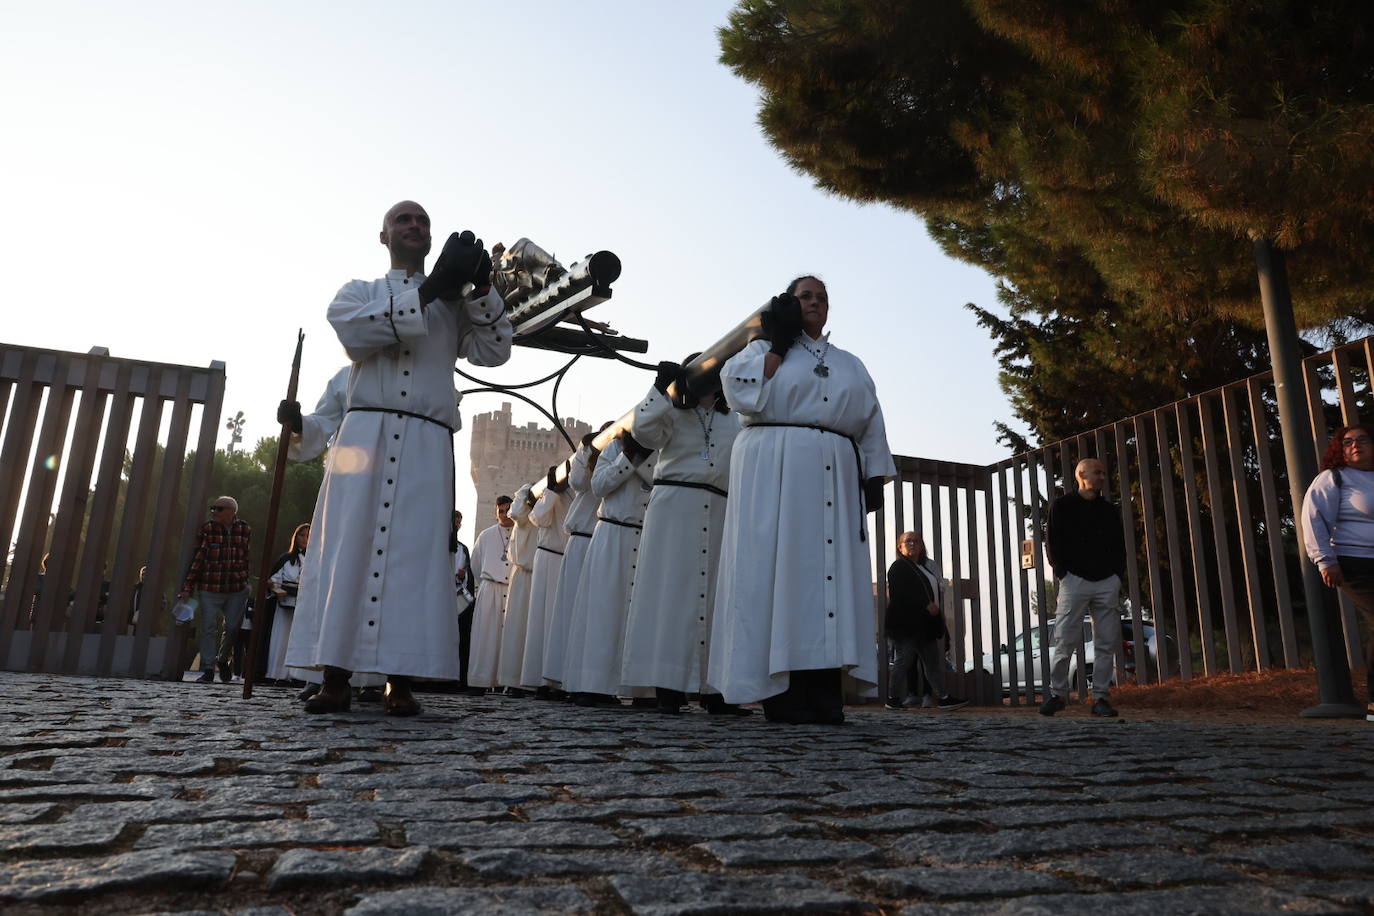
(185, 184)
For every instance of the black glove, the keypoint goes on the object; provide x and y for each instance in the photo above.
(630, 445)
(553, 484)
(873, 493)
(290, 412)
(782, 322)
(587, 441)
(668, 373)
(481, 274)
(458, 264)
(531, 499)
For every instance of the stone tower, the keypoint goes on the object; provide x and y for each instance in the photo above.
(505, 456)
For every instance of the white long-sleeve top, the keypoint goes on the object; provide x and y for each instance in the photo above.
(581, 516)
(1339, 521)
(548, 515)
(622, 488)
(683, 436)
(490, 556)
(526, 537)
(319, 427)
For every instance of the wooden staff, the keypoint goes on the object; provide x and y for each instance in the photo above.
(265, 567)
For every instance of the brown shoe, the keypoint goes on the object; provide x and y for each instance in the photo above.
(334, 694)
(397, 700)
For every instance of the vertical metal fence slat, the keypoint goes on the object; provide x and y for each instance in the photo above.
(1150, 523)
(1245, 526)
(1217, 501)
(1123, 468)
(1273, 525)
(1316, 411)
(992, 606)
(1039, 477)
(954, 614)
(1196, 538)
(1011, 569)
(1023, 580)
(14, 461)
(33, 526)
(173, 456)
(1345, 386)
(1168, 492)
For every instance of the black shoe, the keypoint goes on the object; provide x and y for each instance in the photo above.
(370, 695)
(587, 700)
(952, 702)
(334, 695)
(397, 698)
(1051, 705)
(543, 693)
(308, 691)
(895, 704)
(206, 677)
(225, 674)
(715, 704)
(1104, 709)
(642, 703)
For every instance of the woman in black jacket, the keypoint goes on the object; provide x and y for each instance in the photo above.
(914, 621)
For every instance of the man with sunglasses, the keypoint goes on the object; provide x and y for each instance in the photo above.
(218, 577)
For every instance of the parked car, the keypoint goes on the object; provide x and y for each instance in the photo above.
(1127, 662)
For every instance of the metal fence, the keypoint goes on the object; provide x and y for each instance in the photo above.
(92, 489)
(1212, 549)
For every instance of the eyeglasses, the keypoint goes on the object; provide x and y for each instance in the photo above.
(1356, 440)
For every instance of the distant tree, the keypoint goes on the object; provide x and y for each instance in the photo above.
(1108, 160)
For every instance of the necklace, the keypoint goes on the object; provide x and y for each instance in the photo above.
(505, 544)
(821, 368)
(705, 432)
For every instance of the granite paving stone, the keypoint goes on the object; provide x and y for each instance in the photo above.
(521, 863)
(410, 810)
(1196, 901)
(1138, 868)
(1014, 843)
(973, 881)
(679, 895)
(313, 866)
(68, 837)
(282, 832)
(787, 851)
(23, 814)
(445, 901)
(571, 811)
(695, 828)
(54, 879)
(472, 835)
(1305, 856)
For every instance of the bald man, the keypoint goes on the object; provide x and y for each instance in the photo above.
(380, 596)
(1088, 554)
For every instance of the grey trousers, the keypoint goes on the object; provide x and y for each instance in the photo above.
(213, 606)
(907, 652)
(1078, 598)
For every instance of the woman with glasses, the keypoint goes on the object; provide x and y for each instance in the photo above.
(1338, 526)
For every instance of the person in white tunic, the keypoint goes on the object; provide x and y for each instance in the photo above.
(596, 632)
(491, 563)
(523, 544)
(382, 599)
(285, 583)
(547, 517)
(577, 524)
(668, 632)
(794, 597)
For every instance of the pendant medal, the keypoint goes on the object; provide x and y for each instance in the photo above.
(822, 370)
(706, 453)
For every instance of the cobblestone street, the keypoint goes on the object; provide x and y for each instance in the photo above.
(141, 797)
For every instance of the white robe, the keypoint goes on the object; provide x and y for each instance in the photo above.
(319, 427)
(795, 589)
(596, 631)
(491, 566)
(547, 516)
(288, 574)
(522, 549)
(668, 632)
(577, 525)
(381, 598)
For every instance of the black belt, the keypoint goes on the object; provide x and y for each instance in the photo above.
(402, 413)
(858, 463)
(578, 534)
(664, 482)
(453, 481)
(550, 550)
(602, 518)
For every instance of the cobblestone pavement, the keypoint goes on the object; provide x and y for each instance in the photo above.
(142, 797)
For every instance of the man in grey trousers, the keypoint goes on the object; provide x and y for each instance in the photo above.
(1087, 551)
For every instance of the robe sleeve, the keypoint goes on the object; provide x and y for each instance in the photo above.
(545, 511)
(520, 508)
(366, 325)
(318, 427)
(484, 331)
(746, 390)
(580, 473)
(873, 445)
(613, 469)
(654, 420)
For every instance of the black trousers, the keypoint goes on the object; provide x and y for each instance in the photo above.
(464, 643)
(1359, 585)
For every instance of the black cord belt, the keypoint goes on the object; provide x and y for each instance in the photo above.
(550, 550)
(602, 518)
(665, 482)
(402, 413)
(578, 534)
(858, 462)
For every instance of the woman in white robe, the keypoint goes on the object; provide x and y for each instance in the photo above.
(668, 633)
(491, 565)
(596, 632)
(547, 517)
(285, 583)
(794, 597)
(577, 525)
(523, 544)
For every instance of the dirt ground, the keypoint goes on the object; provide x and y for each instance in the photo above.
(1275, 696)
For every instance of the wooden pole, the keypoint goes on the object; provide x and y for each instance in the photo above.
(270, 533)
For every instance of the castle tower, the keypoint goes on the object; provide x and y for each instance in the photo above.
(504, 456)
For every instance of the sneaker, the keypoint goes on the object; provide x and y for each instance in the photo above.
(928, 702)
(1051, 705)
(893, 705)
(1369, 713)
(206, 677)
(225, 674)
(951, 702)
(1102, 708)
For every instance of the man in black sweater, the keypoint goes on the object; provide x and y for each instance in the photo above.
(1088, 554)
